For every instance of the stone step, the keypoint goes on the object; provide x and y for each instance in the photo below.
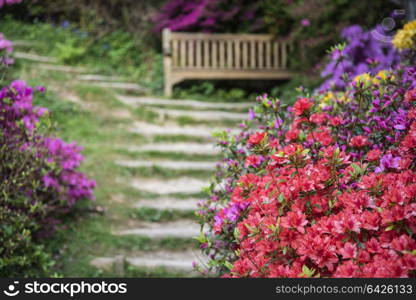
(94, 77)
(168, 129)
(182, 185)
(167, 164)
(175, 261)
(186, 148)
(21, 43)
(134, 101)
(34, 57)
(61, 68)
(208, 115)
(176, 229)
(169, 203)
(113, 264)
(180, 261)
(128, 86)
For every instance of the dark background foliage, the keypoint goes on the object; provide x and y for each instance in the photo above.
(122, 37)
(280, 17)
(99, 17)
(326, 17)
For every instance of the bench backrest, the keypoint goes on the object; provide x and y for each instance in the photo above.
(225, 51)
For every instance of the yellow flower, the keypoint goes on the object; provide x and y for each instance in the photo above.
(328, 97)
(410, 25)
(344, 99)
(362, 78)
(406, 38)
(381, 76)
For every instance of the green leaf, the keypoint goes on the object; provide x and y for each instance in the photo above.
(228, 265)
(267, 185)
(356, 168)
(201, 238)
(302, 135)
(236, 234)
(307, 272)
(339, 47)
(249, 227)
(305, 151)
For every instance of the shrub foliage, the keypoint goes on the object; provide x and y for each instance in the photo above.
(39, 179)
(325, 188)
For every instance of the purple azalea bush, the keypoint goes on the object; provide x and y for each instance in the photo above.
(363, 53)
(209, 15)
(58, 175)
(40, 181)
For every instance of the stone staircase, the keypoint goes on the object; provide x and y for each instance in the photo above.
(181, 193)
(80, 74)
(167, 189)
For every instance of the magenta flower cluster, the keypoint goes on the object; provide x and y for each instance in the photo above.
(20, 120)
(208, 15)
(72, 184)
(6, 48)
(8, 2)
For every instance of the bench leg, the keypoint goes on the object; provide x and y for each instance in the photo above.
(168, 88)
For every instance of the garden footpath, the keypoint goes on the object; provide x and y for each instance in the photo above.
(151, 158)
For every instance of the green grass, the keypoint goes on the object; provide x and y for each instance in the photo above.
(158, 172)
(132, 243)
(144, 155)
(94, 238)
(132, 193)
(191, 108)
(116, 53)
(159, 272)
(89, 235)
(146, 114)
(98, 95)
(188, 121)
(155, 215)
(91, 121)
(77, 247)
(178, 138)
(27, 69)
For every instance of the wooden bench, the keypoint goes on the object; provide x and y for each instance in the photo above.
(222, 56)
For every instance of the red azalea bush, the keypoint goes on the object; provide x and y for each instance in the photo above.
(325, 188)
(322, 214)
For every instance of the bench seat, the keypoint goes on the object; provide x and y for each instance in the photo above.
(190, 56)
